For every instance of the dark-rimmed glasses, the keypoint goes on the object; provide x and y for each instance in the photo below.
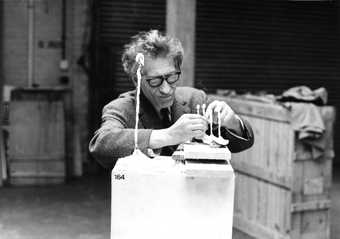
(156, 81)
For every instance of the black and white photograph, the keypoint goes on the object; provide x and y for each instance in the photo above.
(163, 119)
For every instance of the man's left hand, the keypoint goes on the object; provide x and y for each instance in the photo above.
(228, 116)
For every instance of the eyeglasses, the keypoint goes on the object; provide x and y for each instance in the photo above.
(157, 81)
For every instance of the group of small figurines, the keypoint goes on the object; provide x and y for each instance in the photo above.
(211, 139)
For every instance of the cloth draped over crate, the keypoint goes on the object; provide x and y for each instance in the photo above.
(306, 118)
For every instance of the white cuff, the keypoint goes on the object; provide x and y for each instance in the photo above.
(241, 122)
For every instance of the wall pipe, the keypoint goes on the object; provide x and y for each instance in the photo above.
(31, 44)
(63, 31)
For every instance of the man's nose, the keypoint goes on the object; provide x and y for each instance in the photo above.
(165, 88)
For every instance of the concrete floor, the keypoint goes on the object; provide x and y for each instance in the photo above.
(79, 210)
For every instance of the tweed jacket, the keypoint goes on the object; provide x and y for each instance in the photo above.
(115, 138)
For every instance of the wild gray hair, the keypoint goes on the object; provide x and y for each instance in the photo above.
(153, 44)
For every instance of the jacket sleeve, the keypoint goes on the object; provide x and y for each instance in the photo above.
(238, 143)
(115, 139)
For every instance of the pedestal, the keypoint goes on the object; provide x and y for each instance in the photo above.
(163, 198)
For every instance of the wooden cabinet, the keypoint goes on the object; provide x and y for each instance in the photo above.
(37, 149)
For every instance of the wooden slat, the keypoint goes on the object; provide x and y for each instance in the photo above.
(310, 206)
(38, 157)
(257, 109)
(316, 235)
(263, 174)
(37, 168)
(263, 200)
(2, 154)
(315, 225)
(255, 229)
(295, 231)
(23, 181)
(314, 187)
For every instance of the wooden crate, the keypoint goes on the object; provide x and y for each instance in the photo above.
(37, 150)
(281, 191)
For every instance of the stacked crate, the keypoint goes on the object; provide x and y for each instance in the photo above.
(281, 190)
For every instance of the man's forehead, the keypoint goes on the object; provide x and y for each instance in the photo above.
(158, 66)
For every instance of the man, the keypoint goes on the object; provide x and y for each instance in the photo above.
(167, 112)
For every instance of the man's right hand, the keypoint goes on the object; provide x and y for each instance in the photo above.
(187, 127)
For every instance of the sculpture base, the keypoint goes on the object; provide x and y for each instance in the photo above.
(162, 198)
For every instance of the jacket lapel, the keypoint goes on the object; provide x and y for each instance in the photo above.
(148, 116)
(179, 107)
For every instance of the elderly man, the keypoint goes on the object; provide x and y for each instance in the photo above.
(167, 112)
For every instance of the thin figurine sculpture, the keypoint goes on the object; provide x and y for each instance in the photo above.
(137, 157)
(211, 139)
(211, 123)
(140, 62)
(203, 109)
(206, 138)
(220, 140)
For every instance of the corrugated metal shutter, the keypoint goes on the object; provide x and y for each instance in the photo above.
(114, 24)
(268, 45)
(117, 22)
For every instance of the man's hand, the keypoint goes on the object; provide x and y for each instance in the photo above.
(188, 126)
(228, 116)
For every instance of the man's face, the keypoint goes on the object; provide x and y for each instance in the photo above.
(161, 96)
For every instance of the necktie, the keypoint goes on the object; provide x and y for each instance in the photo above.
(166, 122)
(165, 115)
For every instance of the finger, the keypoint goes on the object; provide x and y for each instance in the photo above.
(194, 121)
(211, 106)
(211, 112)
(227, 113)
(217, 107)
(196, 116)
(198, 121)
(198, 134)
(208, 114)
(202, 127)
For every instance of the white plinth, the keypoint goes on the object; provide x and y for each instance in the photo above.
(161, 199)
